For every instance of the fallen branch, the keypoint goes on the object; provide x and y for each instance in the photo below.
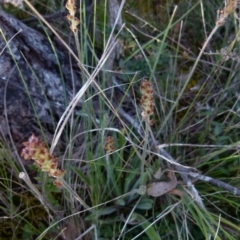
(215, 182)
(186, 172)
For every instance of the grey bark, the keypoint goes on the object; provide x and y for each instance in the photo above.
(32, 83)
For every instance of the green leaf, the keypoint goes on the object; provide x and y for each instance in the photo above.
(149, 230)
(81, 175)
(145, 204)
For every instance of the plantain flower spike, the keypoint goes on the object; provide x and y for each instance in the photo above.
(37, 150)
(70, 6)
(147, 100)
(109, 144)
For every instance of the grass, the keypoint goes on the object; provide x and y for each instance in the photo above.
(111, 152)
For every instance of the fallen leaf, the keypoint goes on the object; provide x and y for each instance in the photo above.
(176, 192)
(158, 189)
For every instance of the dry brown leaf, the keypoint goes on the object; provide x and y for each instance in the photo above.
(158, 189)
(176, 192)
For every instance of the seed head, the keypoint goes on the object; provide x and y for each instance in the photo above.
(36, 150)
(147, 100)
